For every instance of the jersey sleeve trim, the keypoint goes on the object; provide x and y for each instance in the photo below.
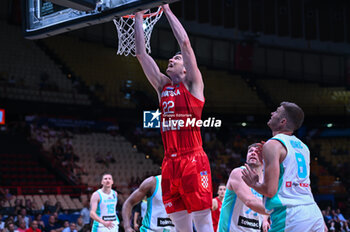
(99, 203)
(156, 189)
(281, 141)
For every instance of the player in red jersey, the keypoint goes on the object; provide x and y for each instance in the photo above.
(186, 176)
(217, 203)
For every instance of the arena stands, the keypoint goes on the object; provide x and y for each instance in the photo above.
(51, 168)
(86, 156)
(308, 94)
(104, 70)
(27, 73)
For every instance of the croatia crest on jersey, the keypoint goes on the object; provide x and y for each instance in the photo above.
(204, 179)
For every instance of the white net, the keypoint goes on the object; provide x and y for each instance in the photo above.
(126, 32)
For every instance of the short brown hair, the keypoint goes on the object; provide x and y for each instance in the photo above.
(106, 173)
(221, 184)
(294, 115)
(253, 145)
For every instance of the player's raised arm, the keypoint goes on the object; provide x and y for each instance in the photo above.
(146, 189)
(149, 66)
(244, 193)
(272, 153)
(193, 76)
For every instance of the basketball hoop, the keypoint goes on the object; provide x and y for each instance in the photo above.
(126, 31)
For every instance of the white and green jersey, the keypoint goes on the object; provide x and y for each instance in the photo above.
(294, 182)
(156, 218)
(236, 216)
(106, 210)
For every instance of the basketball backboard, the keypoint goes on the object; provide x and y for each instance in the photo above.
(43, 18)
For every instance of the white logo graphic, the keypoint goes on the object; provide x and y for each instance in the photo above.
(151, 119)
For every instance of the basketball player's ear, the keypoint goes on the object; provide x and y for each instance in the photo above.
(284, 121)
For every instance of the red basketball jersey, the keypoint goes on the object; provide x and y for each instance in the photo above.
(215, 215)
(180, 112)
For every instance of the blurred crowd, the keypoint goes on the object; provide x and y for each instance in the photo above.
(335, 220)
(62, 150)
(24, 217)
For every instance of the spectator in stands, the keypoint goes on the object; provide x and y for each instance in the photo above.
(41, 224)
(79, 224)
(17, 220)
(29, 207)
(23, 215)
(10, 227)
(18, 206)
(65, 224)
(7, 195)
(58, 207)
(21, 226)
(328, 219)
(9, 219)
(33, 227)
(70, 228)
(2, 224)
(48, 208)
(85, 213)
(336, 220)
(343, 222)
(53, 225)
(57, 220)
(3, 209)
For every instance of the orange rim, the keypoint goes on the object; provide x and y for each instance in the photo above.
(145, 15)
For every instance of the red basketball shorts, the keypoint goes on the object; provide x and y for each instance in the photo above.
(186, 182)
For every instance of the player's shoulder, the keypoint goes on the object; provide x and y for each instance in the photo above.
(148, 186)
(96, 194)
(237, 172)
(152, 180)
(274, 145)
(274, 141)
